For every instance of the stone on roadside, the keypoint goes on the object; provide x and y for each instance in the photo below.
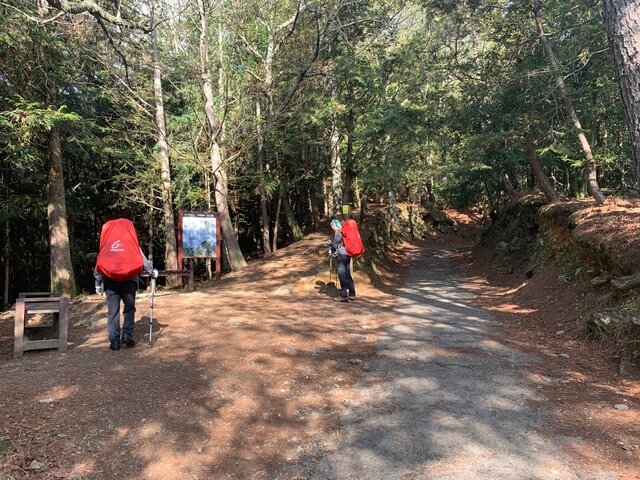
(602, 279)
(355, 361)
(307, 279)
(621, 406)
(283, 290)
(36, 465)
(94, 319)
(564, 355)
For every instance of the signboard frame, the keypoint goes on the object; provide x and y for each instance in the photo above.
(203, 218)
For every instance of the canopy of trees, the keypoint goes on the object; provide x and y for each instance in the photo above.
(275, 112)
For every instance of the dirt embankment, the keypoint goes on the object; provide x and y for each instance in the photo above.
(594, 248)
(604, 240)
(546, 272)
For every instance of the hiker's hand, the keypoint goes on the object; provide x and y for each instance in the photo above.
(154, 273)
(99, 288)
(328, 243)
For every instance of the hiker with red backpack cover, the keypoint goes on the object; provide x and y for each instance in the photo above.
(120, 261)
(346, 244)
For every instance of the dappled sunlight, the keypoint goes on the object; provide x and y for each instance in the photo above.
(241, 380)
(59, 393)
(513, 308)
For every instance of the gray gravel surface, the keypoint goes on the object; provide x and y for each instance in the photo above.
(442, 400)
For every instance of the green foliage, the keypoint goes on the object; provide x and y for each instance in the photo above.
(424, 92)
(621, 324)
(5, 446)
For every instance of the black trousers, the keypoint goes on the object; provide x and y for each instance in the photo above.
(117, 292)
(347, 287)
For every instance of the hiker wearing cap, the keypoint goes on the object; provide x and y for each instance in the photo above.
(119, 263)
(347, 286)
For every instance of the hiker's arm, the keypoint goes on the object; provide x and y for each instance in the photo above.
(99, 282)
(147, 265)
(337, 240)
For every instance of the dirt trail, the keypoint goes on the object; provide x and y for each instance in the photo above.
(246, 382)
(242, 382)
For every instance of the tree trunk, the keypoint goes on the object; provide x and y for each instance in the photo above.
(276, 223)
(431, 196)
(336, 168)
(171, 248)
(150, 234)
(592, 184)
(393, 214)
(622, 22)
(61, 268)
(543, 180)
(325, 198)
(264, 194)
(363, 208)
(262, 160)
(221, 192)
(347, 195)
(292, 222)
(7, 261)
(508, 186)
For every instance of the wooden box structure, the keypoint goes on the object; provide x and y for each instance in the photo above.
(31, 338)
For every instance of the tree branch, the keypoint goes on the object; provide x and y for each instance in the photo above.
(98, 12)
(41, 21)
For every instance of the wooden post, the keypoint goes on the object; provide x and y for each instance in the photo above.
(191, 276)
(63, 325)
(18, 331)
(218, 248)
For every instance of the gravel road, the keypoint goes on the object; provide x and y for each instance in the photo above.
(445, 400)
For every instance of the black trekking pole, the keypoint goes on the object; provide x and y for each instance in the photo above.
(153, 295)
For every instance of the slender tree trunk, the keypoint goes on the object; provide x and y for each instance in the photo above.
(543, 179)
(326, 194)
(276, 224)
(593, 187)
(264, 194)
(622, 22)
(221, 192)
(393, 214)
(431, 197)
(150, 234)
(171, 248)
(363, 208)
(7, 261)
(347, 195)
(336, 167)
(207, 185)
(508, 186)
(293, 224)
(61, 268)
(261, 122)
(315, 209)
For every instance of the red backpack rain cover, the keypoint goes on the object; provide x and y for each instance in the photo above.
(119, 257)
(351, 238)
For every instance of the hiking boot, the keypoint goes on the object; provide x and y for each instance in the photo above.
(340, 299)
(352, 296)
(114, 346)
(129, 342)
